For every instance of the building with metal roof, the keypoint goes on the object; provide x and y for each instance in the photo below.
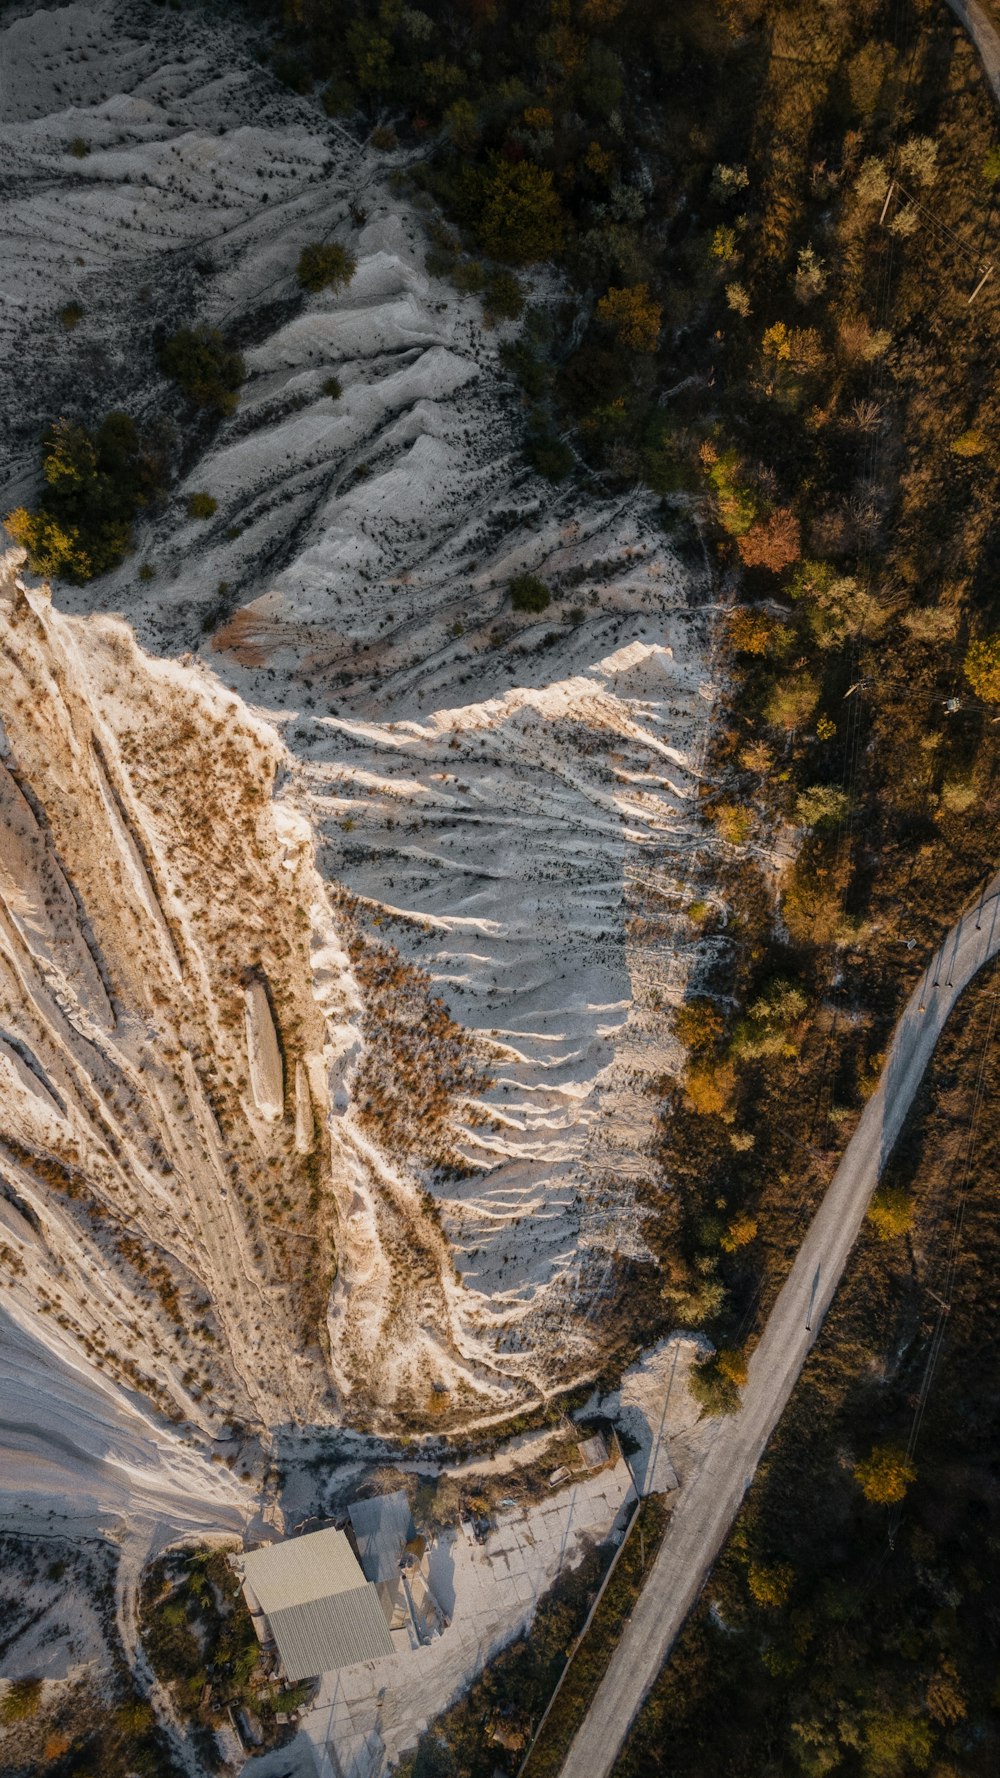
(319, 1608)
(382, 1528)
(396, 1559)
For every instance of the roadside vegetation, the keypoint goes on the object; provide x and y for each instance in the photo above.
(488, 1731)
(589, 1659)
(851, 1624)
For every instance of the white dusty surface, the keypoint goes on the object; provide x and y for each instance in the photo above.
(345, 779)
(654, 1408)
(511, 807)
(489, 1591)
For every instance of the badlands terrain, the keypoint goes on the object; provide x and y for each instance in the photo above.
(340, 900)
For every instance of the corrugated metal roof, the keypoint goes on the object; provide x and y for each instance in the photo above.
(322, 1634)
(302, 1569)
(383, 1527)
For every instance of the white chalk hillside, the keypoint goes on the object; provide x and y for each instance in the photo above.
(254, 1166)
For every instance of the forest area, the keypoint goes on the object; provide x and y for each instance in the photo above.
(769, 223)
(851, 1623)
(735, 316)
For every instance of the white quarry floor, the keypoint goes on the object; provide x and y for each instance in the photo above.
(371, 1713)
(510, 800)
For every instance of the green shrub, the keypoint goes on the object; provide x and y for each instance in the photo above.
(333, 387)
(712, 1389)
(78, 148)
(95, 483)
(515, 210)
(504, 297)
(528, 593)
(549, 456)
(71, 315)
(201, 506)
(147, 572)
(209, 372)
(21, 1702)
(326, 265)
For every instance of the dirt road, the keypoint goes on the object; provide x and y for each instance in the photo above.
(709, 1504)
(985, 36)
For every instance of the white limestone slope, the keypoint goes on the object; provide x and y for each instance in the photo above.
(465, 801)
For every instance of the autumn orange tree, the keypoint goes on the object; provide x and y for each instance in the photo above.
(773, 543)
(885, 1475)
(982, 668)
(633, 316)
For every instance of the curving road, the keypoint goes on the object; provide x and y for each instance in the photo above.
(712, 1498)
(984, 35)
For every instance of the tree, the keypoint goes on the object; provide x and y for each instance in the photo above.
(766, 1029)
(918, 159)
(770, 1583)
(890, 1213)
(95, 483)
(370, 53)
(739, 1232)
(712, 1389)
(518, 216)
(699, 1023)
(709, 1087)
(822, 806)
(895, 1745)
(53, 551)
(731, 1363)
(982, 667)
(750, 631)
(21, 1702)
(209, 372)
(461, 121)
(946, 1701)
(633, 316)
(971, 443)
(773, 543)
(738, 299)
(792, 701)
(326, 265)
(734, 824)
(736, 502)
(810, 275)
(885, 1475)
(528, 593)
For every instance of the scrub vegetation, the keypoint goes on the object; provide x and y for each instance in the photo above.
(201, 1642)
(740, 327)
(850, 1625)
